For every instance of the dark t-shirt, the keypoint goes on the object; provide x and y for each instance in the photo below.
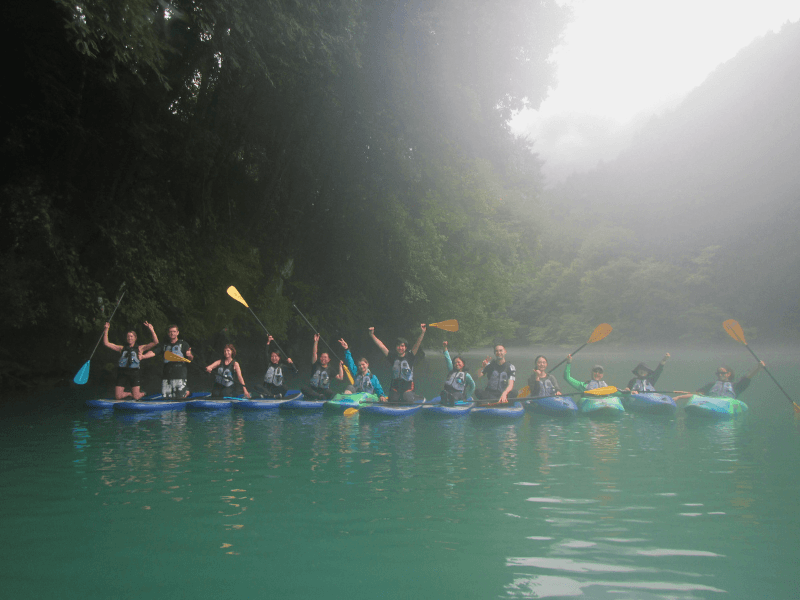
(499, 375)
(175, 370)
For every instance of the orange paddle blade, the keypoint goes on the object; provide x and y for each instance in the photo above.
(734, 330)
(600, 332)
(524, 392)
(449, 325)
(350, 411)
(234, 293)
(172, 357)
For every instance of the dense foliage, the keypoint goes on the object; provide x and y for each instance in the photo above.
(348, 156)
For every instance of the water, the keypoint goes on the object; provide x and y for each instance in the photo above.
(242, 505)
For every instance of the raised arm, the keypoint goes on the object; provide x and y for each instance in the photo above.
(145, 347)
(378, 343)
(108, 344)
(578, 385)
(447, 360)
(314, 349)
(340, 374)
(417, 344)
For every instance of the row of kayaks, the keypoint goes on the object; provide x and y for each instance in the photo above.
(598, 406)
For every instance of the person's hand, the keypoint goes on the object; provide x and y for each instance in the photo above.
(289, 360)
(371, 331)
(569, 359)
(107, 325)
(503, 398)
(444, 343)
(148, 325)
(270, 339)
(424, 327)
(343, 343)
(316, 337)
(384, 398)
(246, 393)
(208, 369)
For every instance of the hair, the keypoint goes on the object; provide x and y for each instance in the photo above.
(233, 350)
(401, 340)
(496, 344)
(324, 352)
(364, 359)
(173, 326)
(535, 360)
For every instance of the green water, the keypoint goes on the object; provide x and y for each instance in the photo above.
(282, 505)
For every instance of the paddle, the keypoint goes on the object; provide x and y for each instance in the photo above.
(346, 370)
(600, 332)
(172, 357)
(735, 331)
(449, 325)
(82, 376)
(234, 293)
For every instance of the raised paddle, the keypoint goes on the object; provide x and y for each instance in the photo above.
(449, 325)
(82, 376)
(735, 331)
(346, 370)
(172, 357)
(600, 332)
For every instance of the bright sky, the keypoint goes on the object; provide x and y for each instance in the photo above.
(625, 60)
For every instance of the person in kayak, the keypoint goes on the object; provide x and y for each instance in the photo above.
(459, 384)
(500, 374)
(128, 371)
(274, 382)
(226, 368)
(595, 382)
(541, 383)
(364, 382)
(402, 360)
(322, 375)
(645, 377)
(724, 386)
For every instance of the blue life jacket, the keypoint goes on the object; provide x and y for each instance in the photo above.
(722, 388)
(274, 375)
(363, 383)
(129, 358)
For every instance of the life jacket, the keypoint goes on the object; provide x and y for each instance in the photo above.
(274, 375)
(224, 375)
(643, 385)
(176, 348)
(402, 369)
(546, 388)
(363, 383)
(321, 378)
(593, 385)
(456, 383)
(129, 358)
(498, 379)
(722, 388)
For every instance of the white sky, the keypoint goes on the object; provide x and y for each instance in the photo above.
(625, 60)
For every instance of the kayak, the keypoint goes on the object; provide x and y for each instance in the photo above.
(300, 403)
(650, 403)
(601, 406)
(560, 406)
(341, 402)
(210, 403)
(266, 403)
(110, 402)
(157, 405)
(390, 409)
(498, 411)
(715, 407)
(460, 407)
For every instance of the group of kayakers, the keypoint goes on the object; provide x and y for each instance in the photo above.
(459, 384)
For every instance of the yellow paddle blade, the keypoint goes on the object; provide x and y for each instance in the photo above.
(734, 330)
(796, 407)
(348, 375)
(350, 411)
(599, 333)
(234, 293)
(524, 392)
(172, 357)
(449, 325)
(603, 391)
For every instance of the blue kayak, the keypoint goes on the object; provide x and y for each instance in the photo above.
(559, 406)
(460, 407)
(266, 403)
(649, 403)
(209, 403)
(390, 409)
(110, 402)
(601, 406)
(498, 411)
(301, 403)
(714, 407)
(158, 405)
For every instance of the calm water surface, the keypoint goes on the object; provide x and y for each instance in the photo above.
(249, 505)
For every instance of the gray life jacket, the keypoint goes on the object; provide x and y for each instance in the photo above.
(722, 388)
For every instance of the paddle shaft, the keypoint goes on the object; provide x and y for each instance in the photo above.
(564, 359)
(109, 320)
(316, 332)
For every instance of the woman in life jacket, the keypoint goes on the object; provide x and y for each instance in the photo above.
(228, 373)
(597, 380)
(458, 384)
(275, 378)
(364, 381)
(645, 378)
(128, 371)
(322, 375)
(541, 383)
(724, 386)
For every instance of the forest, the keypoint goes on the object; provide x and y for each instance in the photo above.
(353, 158)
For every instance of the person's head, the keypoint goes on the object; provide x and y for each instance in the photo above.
(597, 372)
(401, 346)
(641, 371)
(172, 333)
(229, 351)
(500, 352)
(459, 364)
(725, 374)
(540, 363)
(274, 357)
(363, 365)
(131, 338)
(324, 359)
